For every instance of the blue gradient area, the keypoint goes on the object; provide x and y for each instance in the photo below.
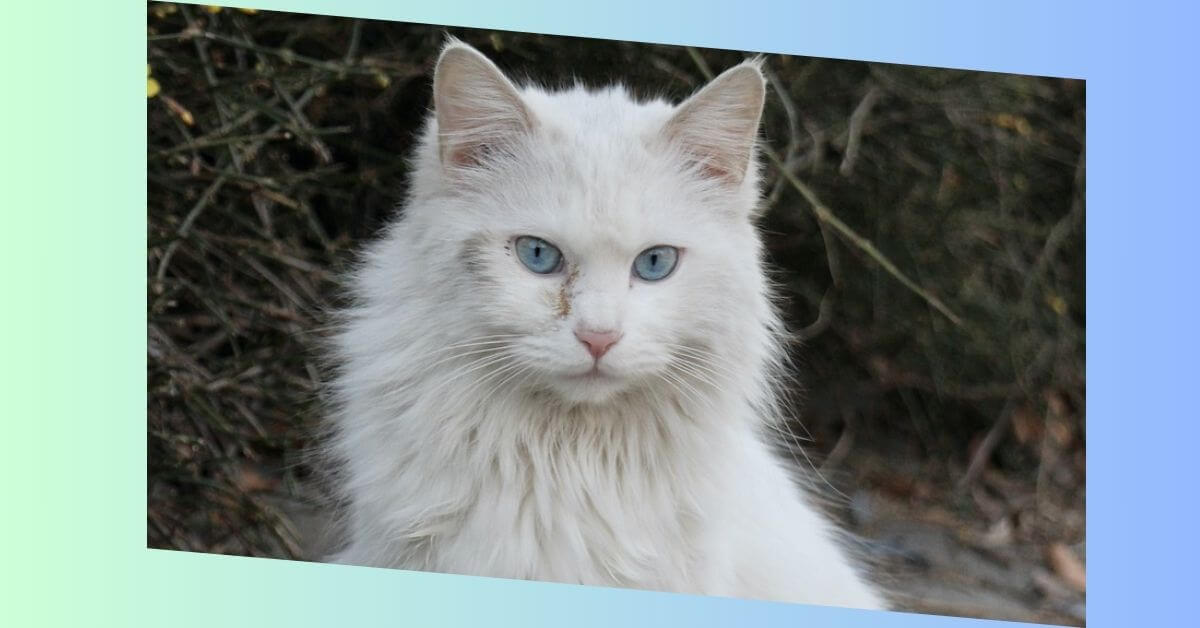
(1140, 63)
(262, 592)
(1023, 36)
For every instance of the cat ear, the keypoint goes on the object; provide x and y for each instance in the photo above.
(477, 107)
(718, 125)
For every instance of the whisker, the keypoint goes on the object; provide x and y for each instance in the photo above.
(474, 366)
(691, 394)
(692, 371)
(500, 384)
(489, 377)
(460, 371)
(409, 384)
(707, 358)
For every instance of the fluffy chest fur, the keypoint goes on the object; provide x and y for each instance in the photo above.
(522, 488)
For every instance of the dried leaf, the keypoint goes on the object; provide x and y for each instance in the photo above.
(179, 110)
(999, 533)
(251, 480)
(1026, 425)
(1068, 566)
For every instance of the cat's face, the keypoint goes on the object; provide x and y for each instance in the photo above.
(607, 244)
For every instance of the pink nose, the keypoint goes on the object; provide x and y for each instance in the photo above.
(598, 342)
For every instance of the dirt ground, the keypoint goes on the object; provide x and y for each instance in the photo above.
(945, 561)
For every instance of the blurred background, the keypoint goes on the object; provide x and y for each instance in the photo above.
(926, 227)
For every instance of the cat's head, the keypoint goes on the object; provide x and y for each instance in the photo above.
(599, 243)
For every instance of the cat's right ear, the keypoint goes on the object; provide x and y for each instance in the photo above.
(718, 125)
(478, 109)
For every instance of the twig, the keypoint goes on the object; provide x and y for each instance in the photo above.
(842, 448)
(1058, 234)
(984, 452)
(698, 59)
(825, 215)
(825, 308)
(793, 120)
(186, 225)
(856, 123)
(211, 140)
(355, 38)
(300, 103)
(305, 127)
(286, 55)
(670, 68)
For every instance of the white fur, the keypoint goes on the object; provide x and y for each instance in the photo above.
(467, 441)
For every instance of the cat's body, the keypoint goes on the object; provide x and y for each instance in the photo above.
(599, 421)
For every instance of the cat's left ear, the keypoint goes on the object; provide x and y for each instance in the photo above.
(718, 125)
(478, 109)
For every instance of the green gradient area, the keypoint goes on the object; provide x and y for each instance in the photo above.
(73, 220)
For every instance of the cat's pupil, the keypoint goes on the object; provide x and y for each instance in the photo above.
(538, 255)
(655, 263)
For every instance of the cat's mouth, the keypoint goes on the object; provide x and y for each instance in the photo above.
(596, 385)
(595, 374)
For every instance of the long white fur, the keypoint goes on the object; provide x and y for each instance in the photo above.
(464, 443)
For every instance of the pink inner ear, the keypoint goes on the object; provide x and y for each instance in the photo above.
(478, 109)
(718, 124)
(710, 167)
(467, 156)
(712, 171)
(719, 158)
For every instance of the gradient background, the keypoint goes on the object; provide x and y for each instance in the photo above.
(72, 340)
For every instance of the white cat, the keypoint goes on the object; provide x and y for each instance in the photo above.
(560, 361)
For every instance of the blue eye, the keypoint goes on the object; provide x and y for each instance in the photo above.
(656, 263)
(538, 255)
